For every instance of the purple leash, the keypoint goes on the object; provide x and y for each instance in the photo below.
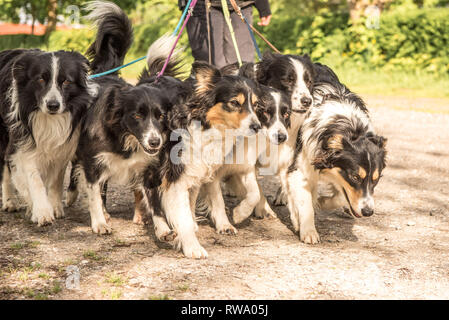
(161, 73)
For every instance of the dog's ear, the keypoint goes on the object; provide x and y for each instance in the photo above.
(112, 99)
(379, 141)
(21, 69)
(330, 152)
(205, 76)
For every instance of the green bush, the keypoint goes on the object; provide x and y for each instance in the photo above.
(20, 41)
(76, 40)
(412, 39)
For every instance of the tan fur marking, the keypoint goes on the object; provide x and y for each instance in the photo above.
(253, 99)
(204, 80)
(362, 173)
(335, 142)
(217, 116)
(376, 175)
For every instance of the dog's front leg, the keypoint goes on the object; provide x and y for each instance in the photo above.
(218, 209)
(98, 220)
(56, 181)
(300, 203)
(247, 205)
(176, 204)
(42, 211)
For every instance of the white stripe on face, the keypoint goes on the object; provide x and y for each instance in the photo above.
(277, 127)
(151, 133)
(53, 93)
(300, 90)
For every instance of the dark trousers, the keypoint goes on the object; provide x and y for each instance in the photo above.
(222, 48)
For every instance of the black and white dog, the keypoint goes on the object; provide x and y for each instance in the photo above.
(338, 145)
(273, 112)
(218, 104)
(43, 96)
(126, 127)
(294, 76)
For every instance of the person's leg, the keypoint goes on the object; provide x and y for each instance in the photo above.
(217, 27)
(242, 36)
(244, 41)
(197, 32)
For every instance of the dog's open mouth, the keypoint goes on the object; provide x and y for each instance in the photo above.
(151, 151)
(351, 210)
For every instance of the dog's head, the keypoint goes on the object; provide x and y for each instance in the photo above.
(226, 102)
(292, 74)
(354, 164)
(52, 82)
(141, 112)
(273, 112)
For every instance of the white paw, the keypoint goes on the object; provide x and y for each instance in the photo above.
(309, 236)
(226, 229)
(266, 212)
(194, 251)
(59, 211)
(70, 197)
(101, 228)
(280, 199)
(9, 206)
(239, 214)
(42, 215)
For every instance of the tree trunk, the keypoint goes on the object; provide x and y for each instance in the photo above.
(51, 16)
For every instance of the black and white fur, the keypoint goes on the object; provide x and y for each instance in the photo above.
(295, 76)
(336, 145)
(126, 127)
(274, 114)
(43, 96)
(218, 103)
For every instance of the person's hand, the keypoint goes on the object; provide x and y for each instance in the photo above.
(264, 21)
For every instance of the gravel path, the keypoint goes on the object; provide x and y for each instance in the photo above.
(400, 252)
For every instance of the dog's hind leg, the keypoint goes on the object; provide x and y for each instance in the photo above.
(72, 190)
(96, 209)
(140, 207)
(8, 192)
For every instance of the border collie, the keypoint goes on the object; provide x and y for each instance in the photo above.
(273, 112)
(126, 127)
(295, 76)
(336, 145)
(218, 104)
(43, 96)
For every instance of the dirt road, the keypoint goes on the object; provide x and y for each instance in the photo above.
(400, 252)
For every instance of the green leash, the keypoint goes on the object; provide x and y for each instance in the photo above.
(227, 17)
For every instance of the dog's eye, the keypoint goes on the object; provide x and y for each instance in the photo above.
(162, 116)
(137, 116)
(267, 115)
(66, 83)
(234, 103)
(356, 178)
(286, 115)
(41, 81)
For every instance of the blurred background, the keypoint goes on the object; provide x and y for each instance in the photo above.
(385, 47)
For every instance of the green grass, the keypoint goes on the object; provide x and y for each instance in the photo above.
(394, 82)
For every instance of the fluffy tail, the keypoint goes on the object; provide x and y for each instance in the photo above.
(157, 55)
(114, 35)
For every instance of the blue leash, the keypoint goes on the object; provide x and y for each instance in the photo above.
(259, 55)
(93, 76)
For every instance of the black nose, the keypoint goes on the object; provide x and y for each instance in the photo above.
(281, 137)
(154, 142)
(306, 102)
(367, 212)
(53, 105)
(255, 127)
